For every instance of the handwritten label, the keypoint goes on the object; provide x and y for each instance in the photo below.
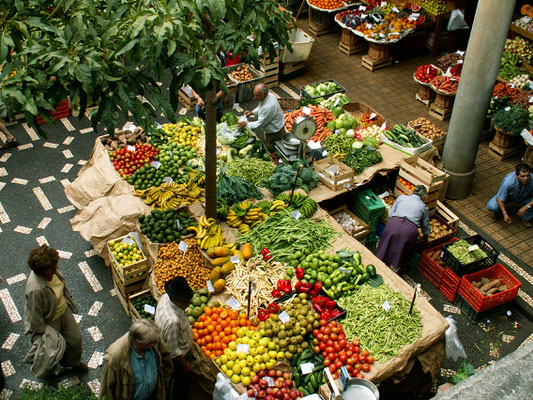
(416, 15)
(149, 309)
(347, 185)
(384, 126)
(395, 9)
(307, 368)
(460, 52)
(243, 347)
(284, 317)
(131, 128)
(383, 4)
(168, 179)
(507, 108)
(296, 214)
(386, 306)
(158, 125)
(155, 164)
(131, 148)
(473, 247)
(306, 110)
(531, 99)
(235, 260)
(210, 287)
(183, 247)
(336, 102)
(127, 240)
(178, 225)
(233, 303)
(511, 85)
(369, 26)
(269, 380)
(325, 153)
(337, 131)
(411, 18)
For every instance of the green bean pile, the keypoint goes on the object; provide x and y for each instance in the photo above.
(338, 143)
(383, 333)
(283, 235)
(460, 251)
(252, 169)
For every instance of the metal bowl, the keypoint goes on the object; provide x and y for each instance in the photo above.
(290, 141)
(360, 389)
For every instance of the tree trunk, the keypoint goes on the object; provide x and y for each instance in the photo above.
(210, 154)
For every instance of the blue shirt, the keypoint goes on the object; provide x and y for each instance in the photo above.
(413, 209)
(144, 372)
(511, 191)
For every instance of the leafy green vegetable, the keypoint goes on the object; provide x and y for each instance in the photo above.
(508, 72)
(283, 178)
(229, 118)
(234, 190)
(460, 250)
(465, 371)
(360, 159)
(511, 119)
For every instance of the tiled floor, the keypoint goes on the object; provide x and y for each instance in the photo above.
(391, 91)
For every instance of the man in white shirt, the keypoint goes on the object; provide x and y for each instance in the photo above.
(270, 123)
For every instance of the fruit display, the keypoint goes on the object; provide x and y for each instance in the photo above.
(125, 252)
(404, 136)
(426, 128)
(525, 22)
(140, 301)
(123, 138)
(284, 387)
(406, 183)
(433, 7)
(327, 4)
(172, 262)
(439, 229)
(304, 204)
(171, 195)
(445, 84)
(182, 133)
(129, 159)
(244, 216)
(339, 352)
(520, 47)
(199, 301)
(165, 226)
(425, 73)
(208, 233)
(242, 74)
(217, 327)
(392, 28)
(522, 81)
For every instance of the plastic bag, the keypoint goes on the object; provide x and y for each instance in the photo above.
(224, 390)
(225, 134)
(457, 21)
(454, 348)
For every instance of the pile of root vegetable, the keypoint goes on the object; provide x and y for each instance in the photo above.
(123, 138)
(489, 287)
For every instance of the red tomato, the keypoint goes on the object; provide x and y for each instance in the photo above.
(330, 349)
(342, 336)
(333, 336)
(332, 357)
(343, 358)
(327, 362)
(366, 367)
(315, 333)
(350, 347)
(361, 376)
(336, 375)
(322, 346)
(319, 336)
(358, 366)
(316, 349)
(356, 342)
(323, 322)
(324, 354)
(335, 329)
(355, 358)
(321, 330)
(349, 361)
(339, 364)
(357, 349)
(365, 353)
(343, 343)
(349, 353)
(370, 360)
(327, 330)
(332, 368)
(356, 371)
(337, 347)
(329, 342)
(349, 368)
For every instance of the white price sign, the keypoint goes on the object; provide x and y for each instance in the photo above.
(384, 194)
(460, 52)
(131, 148)
(473, 247)
(373, 115)
(243, 347)
(233, 303)
(284, 317)
(362, 8)
(269, 380)
(168, 179)
(155, 164)
(416, 15)
(149, 309)
(345, 271)
(235, 260)
(296, 214)
(337, 131)
(210, 287)
(384, 126)
(459, 61)
(127, 240)
(306, 110)
(386, 306)
(183, 247)
(178, 224)
(307, 368)
(132, 128)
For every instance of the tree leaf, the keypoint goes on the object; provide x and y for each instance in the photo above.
(205, 77)
(37, 22)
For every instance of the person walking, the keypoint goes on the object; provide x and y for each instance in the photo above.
(194, 374)
(137, 366)
(407, 214)
(48, 316)
(516, 187)
(270, 123)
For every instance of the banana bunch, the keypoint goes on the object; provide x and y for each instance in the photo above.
(306, 205)
(208, 233)
(278, 205)
(244, 216)
(265, 206)
(222, 208)
(171, 195)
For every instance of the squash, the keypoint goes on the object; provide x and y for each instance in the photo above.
(216, 274)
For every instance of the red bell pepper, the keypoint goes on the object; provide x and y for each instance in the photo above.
(262, 314)
(302, 287)
(312, 294)
(330, 304)
(317, 307)
(273, 308)
(320, 300)
(287, 286)
(299, 273)
(318, 286)
(265, 251)
(326, 315)
(276, 293)
(334, 313)
(280, 285)
(267, 257)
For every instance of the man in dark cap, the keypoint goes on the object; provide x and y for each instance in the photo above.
(191, 367)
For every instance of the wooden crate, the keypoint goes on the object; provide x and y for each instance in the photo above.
(503, 154)
(447, 215)
(134, 314)
(342, 180)
(350, 49)
(357, 109)
(361, 233)
(288, 68)
(271, 81)
(122, 298)
(127, 290)
(129, 274)
(373, 65)
(189, 102)
(321, 22)
(440, 113)
(420, 172)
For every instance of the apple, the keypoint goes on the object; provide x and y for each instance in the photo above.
(293, 394)
(269, 390)
(286, 375)
(251, 393)
(279, 395)
(261, 394)
(261, 374)
(255, 379)
(263, 384)
(272, 373)
(289, 383)
(269, 397)
(279, 374)
(278, 383)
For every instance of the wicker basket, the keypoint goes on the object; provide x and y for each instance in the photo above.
(505, 140)
(288, 103)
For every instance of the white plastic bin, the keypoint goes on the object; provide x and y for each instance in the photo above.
(301, 47)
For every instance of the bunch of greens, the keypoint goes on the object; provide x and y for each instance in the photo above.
(465, 371)
(508, 71)
(496, 104)
(234, 190)
(511, 120)
(285, 174)
(338, 143)
(362, 158)
(460, 250)
(252, 169)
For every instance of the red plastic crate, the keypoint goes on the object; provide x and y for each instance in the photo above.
(449, 284)
(61, 111)
(483, 303)
(429, 268)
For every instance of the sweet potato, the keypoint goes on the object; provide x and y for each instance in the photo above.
(491, 285)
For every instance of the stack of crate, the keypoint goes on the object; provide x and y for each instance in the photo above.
(369, 208)
(186, 98)
(270, 69)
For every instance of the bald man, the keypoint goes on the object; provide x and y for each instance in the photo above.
(270, 123)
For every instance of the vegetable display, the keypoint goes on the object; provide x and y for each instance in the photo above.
(165, 226)
(404, 136)
(508, 72)
(362, 158)
(284, 235)
(321, 89)
(337, 100)
(438, 229)
(338, 144)
(380, 318)
(284, 178)
(251, 169)
(199, 301)
(489, 287)
(511, 120)
(128, 160)
(425, 73)
(320, 115)
(234, 189)
(242, 74)
(445, 84)
(426, 128)
(519, 47)
(139, 302)
(283, 384)
(349, 224)
(449, 60)
(123, 138)
(460, 250)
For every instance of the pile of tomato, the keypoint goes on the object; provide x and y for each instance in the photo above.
(127, 161)
(331, 342)
(425, 73)
(218, 326)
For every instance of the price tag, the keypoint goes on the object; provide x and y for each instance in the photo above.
(325, 153)
(336, 101)
(243, 347)
(296, 214)
(235, 260)
(416, 15)
(395, 9)
(363, 15)
(460, 52)
(306, 110)
(473, 247)
(168, 179)
(269, 380)
(383, 4)
(158, 125)
(453, 79)
(511, 85)
(441, 254)
(386, 306)
(362, 8)
(132, 128)
(155, 164)
(507, 108)
(243, 118)
(183, 247)
(531, 99)
(384, 126)
(284, 317)
(509, 313)
(345, 271)
(459, 61)
(347, 185)
(411, 18)
(384, 194)
(381, 35)
(337, 131)
(131, 148)
(373, 115)
(236, 105)
(210, 287)
(178, 225)
(127, 240)
(369, 26)
(149, 309)
(307, 368)
(233, 303)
